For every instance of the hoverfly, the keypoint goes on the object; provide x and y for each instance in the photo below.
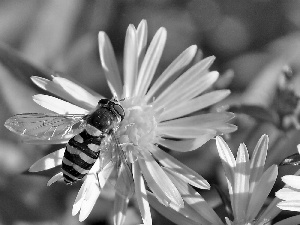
(90, 134)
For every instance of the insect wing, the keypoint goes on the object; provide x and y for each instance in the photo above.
(45, 126)
(111, 152)
(125, 184)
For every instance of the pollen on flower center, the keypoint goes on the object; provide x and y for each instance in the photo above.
(137, 130)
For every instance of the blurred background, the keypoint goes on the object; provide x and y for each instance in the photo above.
(254, 41)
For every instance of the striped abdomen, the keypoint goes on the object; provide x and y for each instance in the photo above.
(83, 150)
(80, 155)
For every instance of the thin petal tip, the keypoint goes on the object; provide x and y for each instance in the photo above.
(131, 27)
(39, 81)
(265, 137)
(143, 22)
(206, 185)
(37, 96)
(212, 57)
(33, 78)
(32, 169)
(219, 139)
(162, 31)
(55, 178)
(192, 49)
(101, 38)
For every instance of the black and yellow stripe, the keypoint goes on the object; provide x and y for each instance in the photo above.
(79, 157)
(83, 150)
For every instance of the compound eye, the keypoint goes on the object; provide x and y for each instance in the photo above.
(103, 101)
(119, 109)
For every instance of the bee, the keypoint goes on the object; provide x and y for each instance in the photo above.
(90, 135)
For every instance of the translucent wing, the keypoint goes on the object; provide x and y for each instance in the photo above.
(125, 184)
(112, 152)
(46, 126)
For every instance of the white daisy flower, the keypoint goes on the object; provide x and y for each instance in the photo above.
(290, 194)
(249, 185)
(164, 112)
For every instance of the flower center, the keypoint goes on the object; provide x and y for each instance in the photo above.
(137, 130)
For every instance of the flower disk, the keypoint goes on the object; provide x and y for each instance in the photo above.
(137, 130)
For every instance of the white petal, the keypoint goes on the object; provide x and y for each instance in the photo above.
(90, 198)
(230, 190)
(290, 205)
(57, 105)
(190, 127)
(288, 194)
(290, 220)
(120, 208)
(142, 33)
(49, 161)
(172, 71)
(186, 215)
(55, 178)
(158, 181)
(186, 107)
(130, 61)
(208, 120)
(45, 84)
(81, 194)
(109, 64)
(150, 62)
(194, 76)
(183, 132)
(228, 221)
(181, 170)
(141, 195)
(187, 144)
(241, 183)
(56, 89)
(189, 90)
(92, 182)
(227, 159)
(261, 191)
(225, 128)
(292, 180)
(257, 161)
(78, 93)
(195, 200)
